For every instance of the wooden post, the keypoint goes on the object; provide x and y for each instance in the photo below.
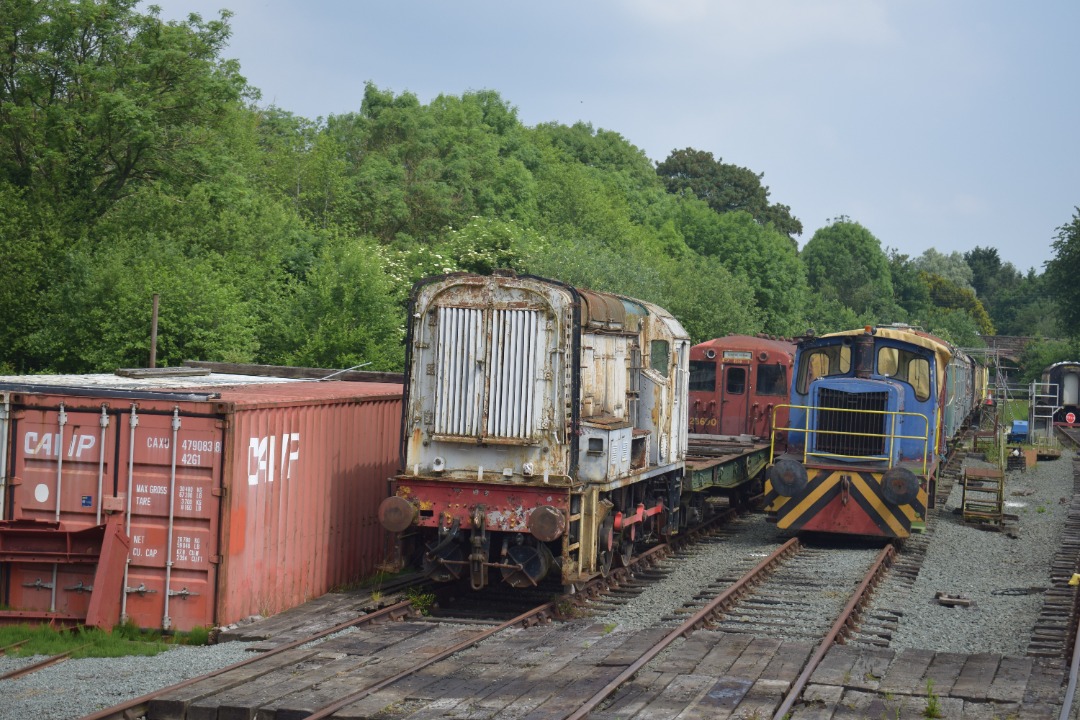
(153, 334)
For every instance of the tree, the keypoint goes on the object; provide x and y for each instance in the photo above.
(910, 290)
(98, 100)
(1061, 273)
(953, 267)
(724, 187)
(845, 264)
(761, 255)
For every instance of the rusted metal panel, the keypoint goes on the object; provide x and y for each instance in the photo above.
(304, 485)
(249, 498)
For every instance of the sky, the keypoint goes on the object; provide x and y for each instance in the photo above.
(944, 124)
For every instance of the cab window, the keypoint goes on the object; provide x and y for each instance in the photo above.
(659, 357)
(823, 362)
(772, 380)
(912, 368)
(702, 376)
(736, 381)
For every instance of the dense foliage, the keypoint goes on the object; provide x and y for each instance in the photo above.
(135, 160)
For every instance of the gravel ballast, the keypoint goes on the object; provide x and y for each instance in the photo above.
(76, 688)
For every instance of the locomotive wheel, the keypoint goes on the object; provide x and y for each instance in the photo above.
(535, 561)
(605, 541)
(626, 552)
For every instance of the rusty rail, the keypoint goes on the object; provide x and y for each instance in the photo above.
(839, 629)
(137, 706)
(526, 617)
(692, 623)
(34, 667)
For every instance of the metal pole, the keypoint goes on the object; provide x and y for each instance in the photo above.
(166, 621)
(5, 414)
(133, 422)
(104, 422)
(153, 333)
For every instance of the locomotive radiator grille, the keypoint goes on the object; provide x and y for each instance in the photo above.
(498, 374)
(511, 370)
(851, 424)
(459, 378)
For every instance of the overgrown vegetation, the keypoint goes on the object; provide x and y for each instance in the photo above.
(124, 640)
(135, 159)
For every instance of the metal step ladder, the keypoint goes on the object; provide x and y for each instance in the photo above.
(983, 499)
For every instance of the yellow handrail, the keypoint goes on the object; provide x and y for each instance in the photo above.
(891, 436)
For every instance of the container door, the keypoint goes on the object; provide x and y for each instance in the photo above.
(733, 407)
(175, 488)
(61, 466)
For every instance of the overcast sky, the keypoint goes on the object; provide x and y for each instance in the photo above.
(934, 123)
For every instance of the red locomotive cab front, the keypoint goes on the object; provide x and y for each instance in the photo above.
(736, 384)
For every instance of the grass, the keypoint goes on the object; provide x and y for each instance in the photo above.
(421, 601)
(125, 640)
(933, 703)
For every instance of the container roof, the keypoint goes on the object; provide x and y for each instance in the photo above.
(238, 389)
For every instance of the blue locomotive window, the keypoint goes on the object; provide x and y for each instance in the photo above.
(703, 376)
(771, 380)
(905, 365)
(822, 362)
(659, 357)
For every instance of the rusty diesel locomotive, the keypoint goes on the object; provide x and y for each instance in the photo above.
(544, 430)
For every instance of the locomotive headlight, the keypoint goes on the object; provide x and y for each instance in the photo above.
(788, 477)
(546, 523)
(899, 486)
(396, 513)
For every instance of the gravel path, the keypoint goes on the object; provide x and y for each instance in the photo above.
(76, 688)
(996, 571)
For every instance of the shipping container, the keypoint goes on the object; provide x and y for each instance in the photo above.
(224, 496)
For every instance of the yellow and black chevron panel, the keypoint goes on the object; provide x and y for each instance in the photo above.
(845, 501)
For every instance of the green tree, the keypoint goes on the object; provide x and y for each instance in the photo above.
(1061, 273)
(845, 264)
(761, 255)
(724, 187)
(345, 315)
(910, 290)
(953, 267)
(98, 100)
(948, 296)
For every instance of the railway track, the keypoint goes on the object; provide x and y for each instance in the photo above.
(316, 676)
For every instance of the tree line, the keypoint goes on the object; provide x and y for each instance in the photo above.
(135, 159)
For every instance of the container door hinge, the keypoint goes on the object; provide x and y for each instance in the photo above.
(215, 559)
(217, 492)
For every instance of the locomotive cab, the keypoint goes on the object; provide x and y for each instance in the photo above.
(863, 433)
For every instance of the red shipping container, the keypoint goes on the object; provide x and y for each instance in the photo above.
(239, 496)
